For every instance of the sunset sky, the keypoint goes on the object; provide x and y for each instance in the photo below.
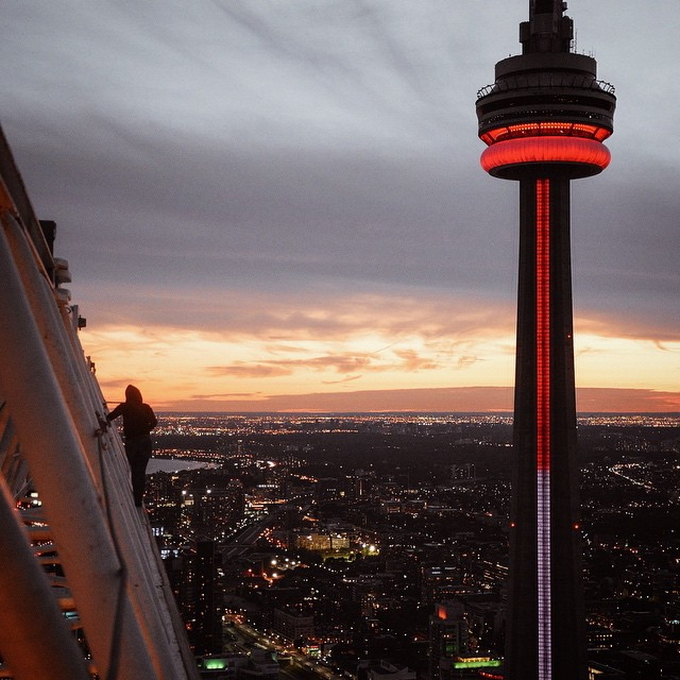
(278, 204)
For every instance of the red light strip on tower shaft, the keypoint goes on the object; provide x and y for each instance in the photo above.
(543, 322)
(543, 427)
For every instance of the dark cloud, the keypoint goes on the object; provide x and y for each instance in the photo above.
(228, 395)
(347, 379)
(466, 361)
(269, 370)
(348, 364)
(280, 153)
(281, 318)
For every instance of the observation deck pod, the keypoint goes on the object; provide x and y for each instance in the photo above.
(546, 106)
(82, 587)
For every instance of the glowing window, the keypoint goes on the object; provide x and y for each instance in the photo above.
(542, 129)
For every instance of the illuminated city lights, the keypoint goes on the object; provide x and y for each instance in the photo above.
(466, 517)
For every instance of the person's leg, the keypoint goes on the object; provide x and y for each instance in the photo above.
(138, 454)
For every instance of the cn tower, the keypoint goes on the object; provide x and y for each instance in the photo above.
(544, 121)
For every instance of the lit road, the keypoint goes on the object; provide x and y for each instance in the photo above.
(246, 538)
(623, 471)
(299, 661)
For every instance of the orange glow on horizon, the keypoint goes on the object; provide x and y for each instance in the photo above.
(439, 355)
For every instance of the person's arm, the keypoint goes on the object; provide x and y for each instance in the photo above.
(152, 421)
(118, 411)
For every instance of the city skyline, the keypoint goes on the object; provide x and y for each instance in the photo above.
(280, 207)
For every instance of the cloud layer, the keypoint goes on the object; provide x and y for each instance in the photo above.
(244, 173)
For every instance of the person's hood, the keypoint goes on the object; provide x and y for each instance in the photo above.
(133, 394)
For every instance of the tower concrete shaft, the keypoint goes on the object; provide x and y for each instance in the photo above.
(544, 120)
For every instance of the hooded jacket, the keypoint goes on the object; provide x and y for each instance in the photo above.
(138, 417)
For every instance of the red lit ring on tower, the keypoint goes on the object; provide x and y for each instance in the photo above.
(545, 128)
(545, 149)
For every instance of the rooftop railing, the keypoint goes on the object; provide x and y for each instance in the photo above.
(546, 80)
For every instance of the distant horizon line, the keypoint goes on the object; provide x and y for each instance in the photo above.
(673, 414)
(471, 399)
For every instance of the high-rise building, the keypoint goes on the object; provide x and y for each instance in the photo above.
(193, 577)
(544, 120)
(448, 638)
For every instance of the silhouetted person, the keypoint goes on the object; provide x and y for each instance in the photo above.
(138, 421)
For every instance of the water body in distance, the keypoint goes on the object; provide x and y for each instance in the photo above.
(174, 465)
